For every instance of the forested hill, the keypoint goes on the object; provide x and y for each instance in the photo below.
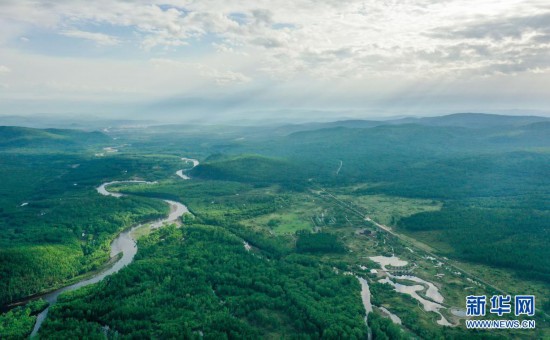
(473, 120)
(409, 159)
(413, 137)
(251, 169)
(494, 171)
(465, 120)
(53, 224)
(18, 137)
(389, 153)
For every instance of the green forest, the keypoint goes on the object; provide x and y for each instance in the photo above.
(493, 180)
(281, 225)
(200, 281)
(54, 226)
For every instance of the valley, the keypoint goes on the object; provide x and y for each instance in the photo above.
(292, 169)
(323, 213)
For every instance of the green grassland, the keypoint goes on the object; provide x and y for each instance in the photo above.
(303, 207)
(303, 213)
(388, 210)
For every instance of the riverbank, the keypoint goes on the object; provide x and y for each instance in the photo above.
(123, 247)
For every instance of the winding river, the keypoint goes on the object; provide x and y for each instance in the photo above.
(365, 297)
(431, 291)
(181, 173)
(124, 243)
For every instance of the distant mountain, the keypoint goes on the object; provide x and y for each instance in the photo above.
(379, 151)
(247, 168)
(380, 141)
(531, 135)
(352, 124)
(466, 120)
(442, 134)
(472, 120)
(262, 130)
(70, 122)
(18, 137)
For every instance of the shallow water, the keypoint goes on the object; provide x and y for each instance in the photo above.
(365, 296)
(393, 261)
(428, 306)
(432, 291)
(181, 174)
(458, 312)
(394, 318)
(103, 191)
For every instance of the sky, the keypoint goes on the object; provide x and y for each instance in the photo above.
(306, 59)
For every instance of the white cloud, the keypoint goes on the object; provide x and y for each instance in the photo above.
(348, 50)
(4, 69)
(99, 38)
(300, 37)
(224, 77)
(220, 77)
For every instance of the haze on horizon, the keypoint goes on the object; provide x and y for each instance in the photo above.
(270, 59)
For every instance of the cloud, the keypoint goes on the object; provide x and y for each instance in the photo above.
(500, 29)
(99, 38)
(220, 77)
(342, 51)
(295, 38)
(4, 69)
(508, 45)
(224, 77)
